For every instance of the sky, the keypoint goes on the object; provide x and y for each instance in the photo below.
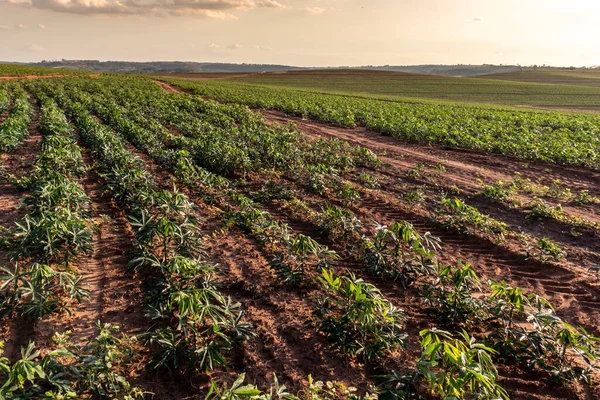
(304, 32)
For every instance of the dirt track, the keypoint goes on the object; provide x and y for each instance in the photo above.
(167, 88)
(29, 77)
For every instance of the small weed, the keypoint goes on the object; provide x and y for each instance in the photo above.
(369, 181)
(545, 250)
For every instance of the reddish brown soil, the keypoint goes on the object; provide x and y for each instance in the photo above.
(115, 295)
(4, 115)
(18, 163)
(29, 77)
(285, 344)
(167, 88)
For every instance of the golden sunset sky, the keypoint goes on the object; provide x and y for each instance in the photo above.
(304, 32)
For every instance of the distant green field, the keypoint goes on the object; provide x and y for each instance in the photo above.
(13, 70)
(403, 86)
(579, 77)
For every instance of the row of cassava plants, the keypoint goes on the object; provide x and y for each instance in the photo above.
(15, 127)
(5, 98)
(56, 230)
(45, 244)
(291, 253)
(225, 140)
(94, 370)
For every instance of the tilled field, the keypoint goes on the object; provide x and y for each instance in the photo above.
(208, 228)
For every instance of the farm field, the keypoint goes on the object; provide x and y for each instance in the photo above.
(161, 239)
(577, 77)
(17, 71)
(545, 136)
(398, 86)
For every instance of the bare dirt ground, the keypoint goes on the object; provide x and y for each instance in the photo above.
(167, 88)
(3, 116)
(115, 294)
(29, 77)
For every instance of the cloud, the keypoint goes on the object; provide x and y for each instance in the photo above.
(271, 4)
(219, 9)
(313, 10)
(234, 46)
(21, 26)
(34, 48)
(41, 26)
(214, 47)
(263, 48)
(4, 28)
(478, 19)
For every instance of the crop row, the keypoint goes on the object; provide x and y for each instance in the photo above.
(57, 229)
(544, 136)
(4, 98)
(14, 128)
